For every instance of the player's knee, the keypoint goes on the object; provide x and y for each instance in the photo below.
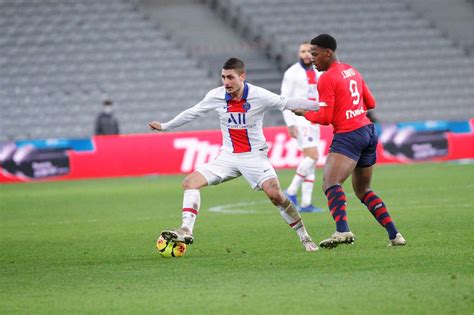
(314, 156)
(312, 153)
(329, 184)
(326, 184)
(189, 183)
(276, 196)
(360, 192)
(277, 199)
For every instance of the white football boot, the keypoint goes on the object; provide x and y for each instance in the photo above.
(399, 240)
(338, 238)
(309, 245)
(180, 235)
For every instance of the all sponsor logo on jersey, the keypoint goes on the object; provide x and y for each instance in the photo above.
(237, 118)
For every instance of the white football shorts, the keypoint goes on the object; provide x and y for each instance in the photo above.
(255, 167)
(308, 135)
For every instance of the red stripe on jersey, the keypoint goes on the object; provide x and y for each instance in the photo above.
(234, 106)
(311, 75)
(239, 137)
(240, 140)
(312, 80)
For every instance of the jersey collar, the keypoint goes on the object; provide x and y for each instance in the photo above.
(334, 64)
(228, 97)
(305, 67)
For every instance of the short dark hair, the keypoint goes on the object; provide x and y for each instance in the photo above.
(234, 64)
(107, 102)
(325, 41)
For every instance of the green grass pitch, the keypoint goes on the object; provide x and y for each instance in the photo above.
(88, 247)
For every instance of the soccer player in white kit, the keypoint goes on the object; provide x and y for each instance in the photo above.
(300, 80)
(241, 107)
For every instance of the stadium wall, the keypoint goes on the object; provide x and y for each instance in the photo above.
(182, 152)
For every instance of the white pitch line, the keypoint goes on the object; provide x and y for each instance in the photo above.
(236, 208)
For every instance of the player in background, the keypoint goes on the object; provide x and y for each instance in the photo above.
(300, 80)
(241, 107)
(344, 99)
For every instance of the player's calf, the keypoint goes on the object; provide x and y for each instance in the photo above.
(291, 216)
(378, 209)
(337, 205)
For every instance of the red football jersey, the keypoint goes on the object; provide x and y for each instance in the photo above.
(344, 99)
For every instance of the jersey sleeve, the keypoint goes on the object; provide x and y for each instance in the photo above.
(287, 85)
(327, 95)
(289, 117)
(287, 90)
(326, 91)
(323, 117)
(198, 110)
(369, 100)
(272, 100)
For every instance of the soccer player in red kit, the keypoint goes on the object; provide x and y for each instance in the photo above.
(344, 99)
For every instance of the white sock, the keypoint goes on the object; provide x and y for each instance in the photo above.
(291, 216)
(307, 190)
(304, 168)
(191, 204)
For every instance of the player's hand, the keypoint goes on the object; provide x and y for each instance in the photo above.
(293, 132)
(155, 126)
(299, 112)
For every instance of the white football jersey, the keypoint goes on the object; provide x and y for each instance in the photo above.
(296, 84)
(241, 120)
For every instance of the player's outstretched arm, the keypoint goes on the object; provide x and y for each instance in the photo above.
(282, 103)
(155, 126)
(301, 103)
(184, 117)
(323, 117)
(369, 100)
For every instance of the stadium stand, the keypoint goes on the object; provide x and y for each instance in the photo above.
(59, 59)
(415, 72)
(211, 41)
(455, 18)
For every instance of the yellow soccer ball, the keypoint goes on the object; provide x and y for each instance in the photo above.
(169, 249)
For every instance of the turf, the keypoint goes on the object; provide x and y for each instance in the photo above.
(88, 247)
